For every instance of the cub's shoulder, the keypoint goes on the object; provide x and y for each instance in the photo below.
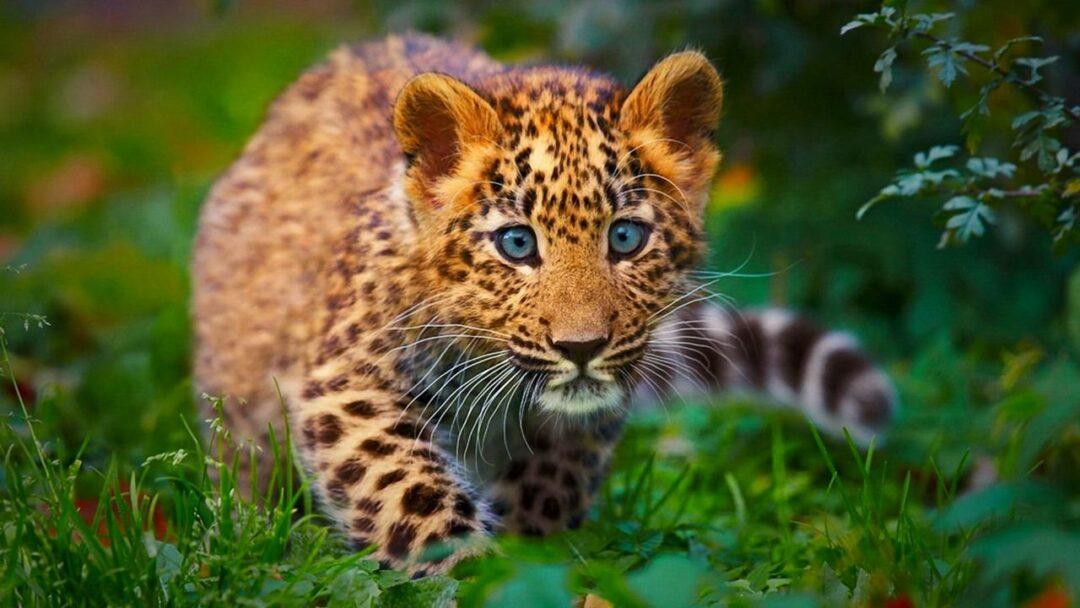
(372, 72)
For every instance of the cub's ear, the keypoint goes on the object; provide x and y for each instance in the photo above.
(673, 111)
(435, 117)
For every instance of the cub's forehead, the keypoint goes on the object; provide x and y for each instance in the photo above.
(556, 112)
(551, 92)
(560, 151)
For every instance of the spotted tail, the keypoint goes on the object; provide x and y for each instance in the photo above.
(824, 373)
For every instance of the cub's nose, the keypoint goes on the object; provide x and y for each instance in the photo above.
(580, 352)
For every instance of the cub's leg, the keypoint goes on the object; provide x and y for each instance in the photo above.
(823, 373)
(549, 489)
(385, 483)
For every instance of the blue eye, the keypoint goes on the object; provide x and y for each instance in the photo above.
(516, 243)
(627, 237)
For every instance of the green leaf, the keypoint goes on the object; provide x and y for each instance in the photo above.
(981, 107)
(1072, 314)
(1025, 118)
(433, 591)
(883, 66)
(993, 502)
(970, 219)
(1058, 418)
(1003, 49)
(1063, 225)
(990, 167)
(851, 25)
(167, 564)
(1040, 550)
(947, 65)
(534, 585)
(355, 588)
(648, 545)
(1034, 64)
(669, 580)
(923, 160)
(882, 17)
(1043, 148)
(916, 182)
(925, 22)
(1066, 160)
(969, 48)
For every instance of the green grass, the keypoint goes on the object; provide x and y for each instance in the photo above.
(706, 505)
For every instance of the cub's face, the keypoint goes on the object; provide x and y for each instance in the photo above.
(559, 216)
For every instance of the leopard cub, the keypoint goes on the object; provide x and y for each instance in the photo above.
(462, 275)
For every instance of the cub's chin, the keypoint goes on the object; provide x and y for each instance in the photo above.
(581, 397)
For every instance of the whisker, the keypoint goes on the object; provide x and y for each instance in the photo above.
(450, 325)
(414, 309)
(446, 403)
(508, 388)
(484, 399)
(681, 203)
(662, 376)
(480, 381)
(524, 379)
(431, 368)
(685, 201)
(680, 298)
(457, 369)
(708, 296)
(541, 381)
(445, 337)
(674, 359)
(620, 164)
(700, 342)
(647, 379)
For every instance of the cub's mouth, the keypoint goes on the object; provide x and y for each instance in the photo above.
(577, 388)
(580, 395)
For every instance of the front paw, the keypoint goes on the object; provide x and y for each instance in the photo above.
(429, 535)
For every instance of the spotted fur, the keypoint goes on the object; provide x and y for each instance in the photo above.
(349, 254)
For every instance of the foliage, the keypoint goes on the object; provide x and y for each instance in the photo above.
(981, 184)
(697, 513)
(168, 534)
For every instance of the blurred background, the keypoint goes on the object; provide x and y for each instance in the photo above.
(115, 118)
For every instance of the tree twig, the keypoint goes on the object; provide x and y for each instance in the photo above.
(997, 69)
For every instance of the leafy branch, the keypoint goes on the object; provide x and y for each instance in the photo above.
(975, 188)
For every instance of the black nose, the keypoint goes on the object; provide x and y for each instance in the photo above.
(580, 352)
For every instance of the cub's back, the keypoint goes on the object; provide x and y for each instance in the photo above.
(270, 222)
